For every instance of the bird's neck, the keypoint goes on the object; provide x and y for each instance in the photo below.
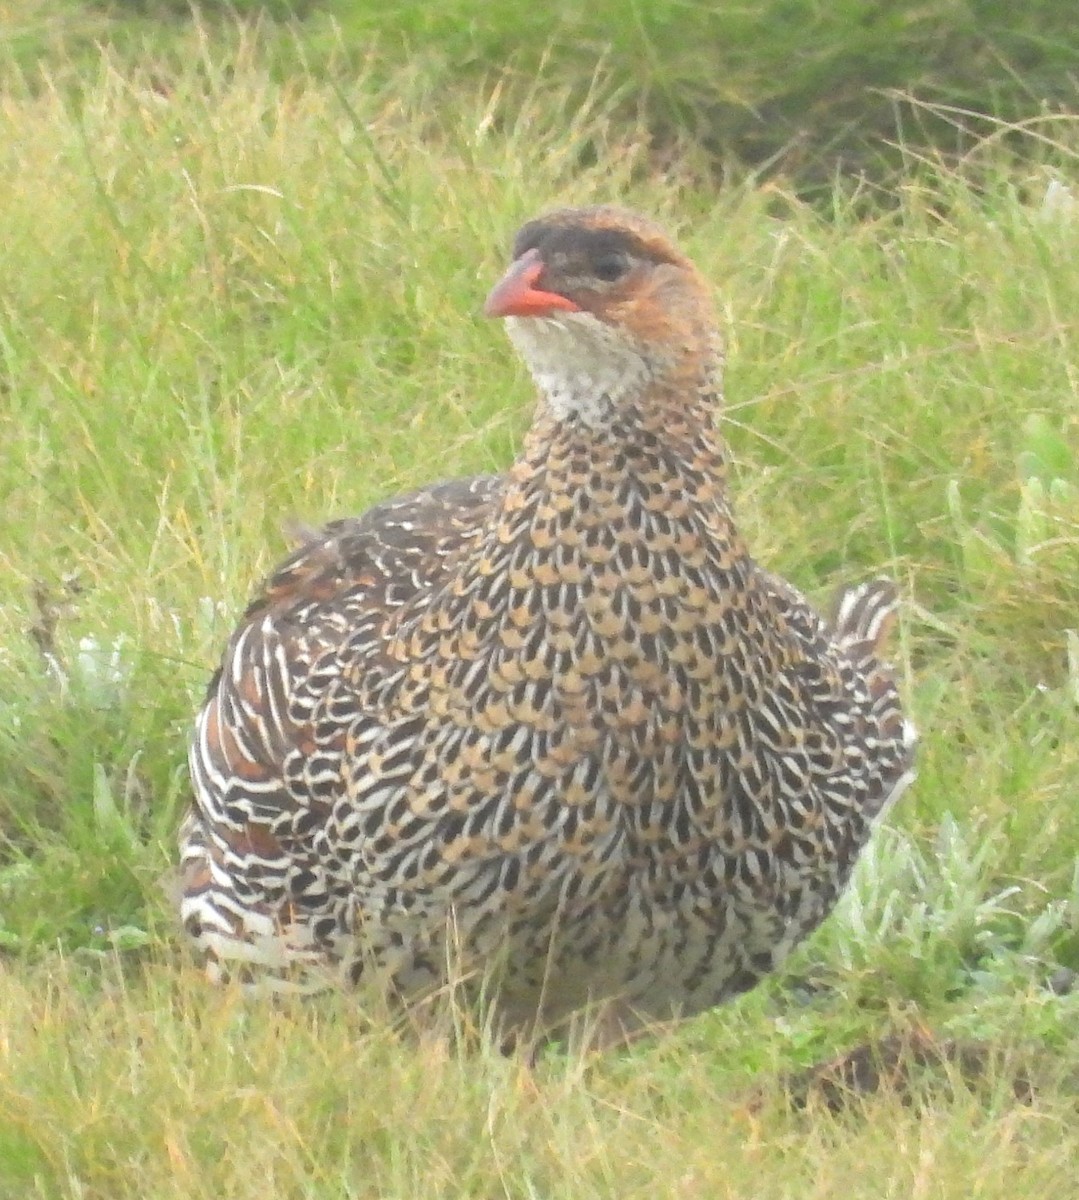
(598, 380)
(656, 453)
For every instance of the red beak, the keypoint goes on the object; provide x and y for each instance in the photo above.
(515, 296)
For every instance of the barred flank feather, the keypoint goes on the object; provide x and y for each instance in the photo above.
(866, 613)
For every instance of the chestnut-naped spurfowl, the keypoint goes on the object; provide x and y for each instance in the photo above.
(554, 727)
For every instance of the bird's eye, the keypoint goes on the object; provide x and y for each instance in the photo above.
(610, 267)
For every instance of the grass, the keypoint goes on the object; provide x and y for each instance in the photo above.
(797, 90)
(208, 1098)
(246, 298)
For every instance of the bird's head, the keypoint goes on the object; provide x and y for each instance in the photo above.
(603, 308)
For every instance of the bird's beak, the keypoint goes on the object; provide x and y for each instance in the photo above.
(515, 294)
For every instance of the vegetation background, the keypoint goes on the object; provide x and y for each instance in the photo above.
(244, 249)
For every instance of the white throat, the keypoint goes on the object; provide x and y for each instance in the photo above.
(584, 368)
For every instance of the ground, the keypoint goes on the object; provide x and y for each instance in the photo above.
(232, 296)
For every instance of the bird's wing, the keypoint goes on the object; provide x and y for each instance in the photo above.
(265, 773)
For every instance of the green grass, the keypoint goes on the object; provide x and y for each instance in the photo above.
(206, 1097)
(256, 298)
(796, 89)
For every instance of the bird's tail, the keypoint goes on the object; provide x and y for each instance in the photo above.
(865, 615)
(863, 619)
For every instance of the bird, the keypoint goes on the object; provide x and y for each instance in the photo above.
(553, 728)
